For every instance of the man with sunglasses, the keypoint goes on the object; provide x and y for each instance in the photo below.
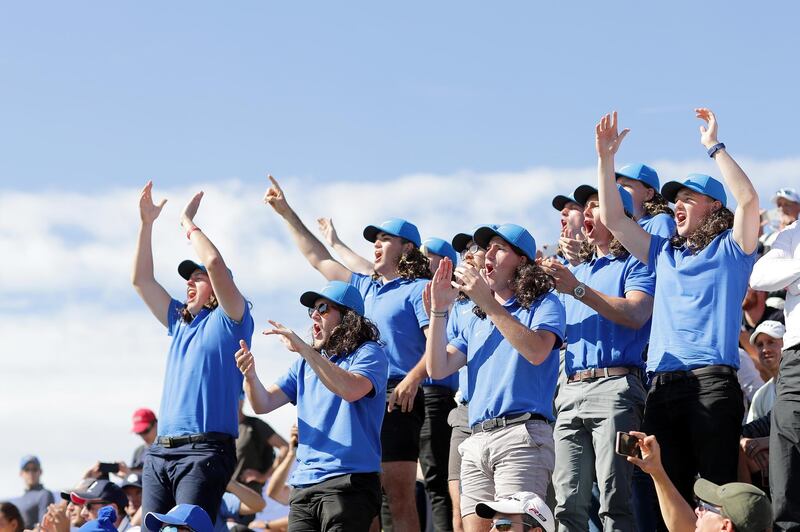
(521, 512)
(338, 385)
(393, 301)
(98, 494)
(181, 518)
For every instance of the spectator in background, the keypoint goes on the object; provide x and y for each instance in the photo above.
(255, 450)
(571, 238)
(145, 425)
(650, 209)
(237, 502)
(768, 339)
(521, 512)
(98, 494)
(788, 203)
(72, 510)
(10, 518)
(34, 502)
(132, 486)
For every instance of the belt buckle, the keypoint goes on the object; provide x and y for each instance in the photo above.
(488, 424)
(170, 442)
(593, 373)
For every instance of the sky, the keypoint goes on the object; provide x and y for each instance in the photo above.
(446, 113)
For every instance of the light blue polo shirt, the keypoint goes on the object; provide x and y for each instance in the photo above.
(396, 309)
(501, 381)
(336, 437)
(697, 310)
(597, 342)
(661, 224)
(459, 319)
(202, 383)
(229, 508)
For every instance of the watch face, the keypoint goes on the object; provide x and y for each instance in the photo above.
(579, 291)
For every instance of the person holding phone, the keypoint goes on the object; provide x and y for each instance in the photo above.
(695, 405)
(608, 307)
(193, 456)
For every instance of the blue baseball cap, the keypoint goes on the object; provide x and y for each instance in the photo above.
(704, 184)
(394, 227)
(461, 240)
(583, 193)
(440, 247)
(105, 522)
(343, 294)
(640, 172)
(560, 201)
(189, 515)
(519, 238)
(28, 459)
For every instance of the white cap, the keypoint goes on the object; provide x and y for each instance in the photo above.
(524, 502)
(771, 327)
(786, 193)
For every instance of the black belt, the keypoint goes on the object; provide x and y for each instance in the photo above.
(662, 377)
(501, 422)
(175, 441)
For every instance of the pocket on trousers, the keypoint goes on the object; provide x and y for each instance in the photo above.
(536, 433)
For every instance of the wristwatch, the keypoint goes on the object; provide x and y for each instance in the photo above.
(579, 291)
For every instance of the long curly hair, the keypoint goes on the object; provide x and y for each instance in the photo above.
(529, 283)
(412, 265)
(658, 204)
(615, 248)
(353, 331)
(710, 227)
(187, 317)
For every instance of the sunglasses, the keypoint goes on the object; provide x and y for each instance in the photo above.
(31, 469)
(322, 309)
(505, 525)
(703, 506)
(473, 249)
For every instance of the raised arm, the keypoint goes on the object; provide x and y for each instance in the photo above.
(352, 260)
(263, 400)
(144, 282)
(251, 500)
(310, 246)
(778, 268)
(747, 218)
(441, 359)
(607, 141)
(225, 290)
(277, 488)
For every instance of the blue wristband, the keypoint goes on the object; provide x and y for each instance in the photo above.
(714, 149)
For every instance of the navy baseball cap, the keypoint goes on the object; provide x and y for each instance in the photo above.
(583, 193)
(343, 294)
(461, 240)
(132, 481)
(188, 267)
(704, 184)
(29, 459)
(440, 247)
(189, 515)
(519, 238)
(640, 172)
(560, 201)
(394, 227)
(101, 490)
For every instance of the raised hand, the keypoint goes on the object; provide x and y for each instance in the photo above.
(607, 139)
(245, 361)
(565, 281)
(292, 342)
(442, 292)
(473, 282)
(328, 230)
(148, 210)
(189, 212)
(275, 198)
(708, 133)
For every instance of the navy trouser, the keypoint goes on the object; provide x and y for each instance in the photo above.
(347, 503)
(434, 453)
(195, 473)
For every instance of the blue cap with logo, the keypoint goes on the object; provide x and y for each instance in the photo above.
(583, 193)
(461, 240)
(394, 227)
(189, 515)
(640, 172)
(704, 184)
(560, 201)
(519, 238)
(440, 247)
(343, 294)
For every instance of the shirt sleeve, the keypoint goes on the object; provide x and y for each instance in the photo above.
(662, 225)
(639, 277)
(173, 316)
(370, 361)
(460, 341)
(419, 309)
(361, 282)
(288, 382)
(778, 268)
(230, 507)
(657, 244)
(549, 315)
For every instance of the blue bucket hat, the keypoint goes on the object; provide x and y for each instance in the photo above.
(583, 193)
(461, 240)
(640, 172)
(394, 227)
(105, 522)
(519, 238)
(704, 184)
(440, 247)
(560, 201)
(343, 294)
(189, 515)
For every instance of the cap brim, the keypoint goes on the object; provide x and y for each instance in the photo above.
(485, 234)
(707, 491)
(309, 298)
(670, 190)
(154, 521)
(559, 202)
(487, 510)
(131, 485)
(187, 268)
(460, 242)
(583, 192)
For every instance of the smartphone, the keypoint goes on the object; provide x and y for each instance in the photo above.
(628, 445)
(109, 467)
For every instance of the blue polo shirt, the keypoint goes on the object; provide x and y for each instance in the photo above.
(459, 319)
(501, 381)
(697, 310)
(396, 309)
(594, 341)
(202, 383)
(229, 508)
(337, 437)
(661, 224)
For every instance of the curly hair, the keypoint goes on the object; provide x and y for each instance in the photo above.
(615, 248)
(710, 227)
(412, 265)
(529, 283)
(658, 204)
(187, 317)
(353, 331)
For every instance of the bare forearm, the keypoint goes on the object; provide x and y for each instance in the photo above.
(530, 345)
(249, 498)
(343, 383)
(309, 245)
(739, 184)
(143, 260)
(620, 310)
(436, 358)
(260, 399)
(676, 512)
(206, 251)
(351, 259)
(611, 210)
(278, 479)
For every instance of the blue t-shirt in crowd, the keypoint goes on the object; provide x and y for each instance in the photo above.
(661, 224)
(202, 383)
(594, 341)
(228, 509)
(501, 381)
(336, 437)
(396, 309)
(458, 320)
(697, 312)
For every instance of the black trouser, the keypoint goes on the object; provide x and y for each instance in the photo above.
(784, 444)
(434, 453)
(344, 503)
(697, 421)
